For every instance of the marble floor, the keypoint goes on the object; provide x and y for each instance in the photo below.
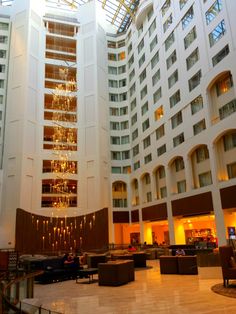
(149, 293)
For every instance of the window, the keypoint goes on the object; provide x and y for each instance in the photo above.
(229, 141)
(143, 92)
(145, 125)
(113, 83)
(114, 125)
(2, 68)
(127, 169)
(179, 164)
(1, 83)
(177, 140)
(181, 186)
(152, 28)
(171, 59)
(122, 69)
(124, 125)
(167, 23)
(131, 61)
(175, 98)
(150, 14)
(129, 48)
(136, 165)
(156, 77)
(161, 172)
(169, 41)
(135, 150)
(3, 39)
(159, 113)
(112, 57)
(132, 90)
(231, 169)
(196, 104)
(202, 154)
(217, 33)
(194, 81)
(182, 3)
(133, 104)
(148, 158)
(228, 109)
(122, 83)
(213, 11)
(3, 54)
(1, 99)
(121, 56)
(142, 76)
(115, 140)
(4, 26)
(165, 7)
(125, 139)
(157, 95)
(173, 79)
(176, 120)
(146, 142)
(121, 43)
(160, 132)
(123, 96)
(224, 84)
(190, 37)
(111, 44)
(199, 127)
(220, 55)
(116, 169)
(123, 111)
(144, 108)
(114, 112)
(163, 192)
(140, 30)
(192, 59)
(115, 156)
(140, 45)
(112, 70)
(149, 196)
(125, 155)
(141, 60)
(155, 59)
(131, 75)
(134, 134)
(161, 150)
(205, 179)
(134, 119)
(187, 18)
(153, 43)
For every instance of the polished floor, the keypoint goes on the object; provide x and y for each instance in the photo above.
(151, 292)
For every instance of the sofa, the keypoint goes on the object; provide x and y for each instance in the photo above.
(178, 265)
(228, 264)
(54, 270)
(139, 258)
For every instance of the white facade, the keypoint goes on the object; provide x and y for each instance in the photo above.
(159, 97)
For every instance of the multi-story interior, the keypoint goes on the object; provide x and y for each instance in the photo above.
(135, 120)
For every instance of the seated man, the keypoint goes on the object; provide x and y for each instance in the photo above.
(180, 252)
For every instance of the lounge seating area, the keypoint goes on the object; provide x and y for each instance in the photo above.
(228, 264)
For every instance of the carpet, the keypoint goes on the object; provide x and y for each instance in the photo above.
(229, 291)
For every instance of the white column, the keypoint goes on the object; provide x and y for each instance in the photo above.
(169, 207)
(140, 190)
(188, 173)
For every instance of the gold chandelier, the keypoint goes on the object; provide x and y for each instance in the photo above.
(64, 138)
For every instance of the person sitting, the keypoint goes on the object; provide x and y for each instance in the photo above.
(68, 258)
(180, 252)
(131, 248)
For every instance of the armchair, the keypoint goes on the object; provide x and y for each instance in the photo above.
(228, 269)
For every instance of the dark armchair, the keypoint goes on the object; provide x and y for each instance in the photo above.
(227, 264)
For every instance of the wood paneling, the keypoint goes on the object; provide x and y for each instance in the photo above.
(155, 212)
(193, 205)
(228, 197)
(135, 215)
(41, 234)
(121, 217)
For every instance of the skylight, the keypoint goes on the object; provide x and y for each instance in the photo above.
(118, 12)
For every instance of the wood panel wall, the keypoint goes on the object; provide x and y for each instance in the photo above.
(41, 234)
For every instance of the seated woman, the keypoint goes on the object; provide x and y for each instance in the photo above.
(131, 248)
